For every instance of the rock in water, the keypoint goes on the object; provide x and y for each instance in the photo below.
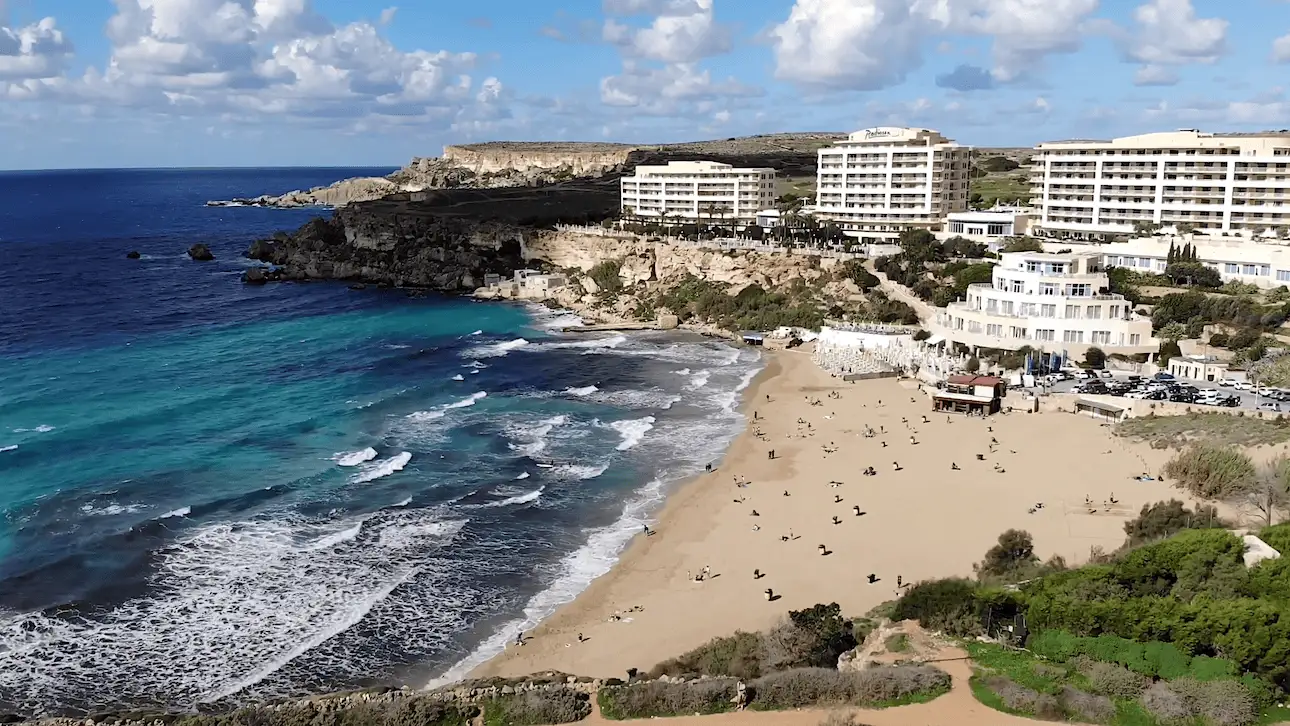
(261, 250)
(200, 252)
(132, 255)
(254, 276)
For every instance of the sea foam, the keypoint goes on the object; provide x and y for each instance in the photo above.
(382, 468)
(354, 458)
(632, 430)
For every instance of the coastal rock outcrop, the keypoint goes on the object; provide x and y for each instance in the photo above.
(132, 255)
(201, 253)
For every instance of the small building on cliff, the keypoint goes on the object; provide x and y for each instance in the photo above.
(527, 284)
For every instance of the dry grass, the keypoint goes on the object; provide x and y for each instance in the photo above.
(1216, 428)
(878, 686)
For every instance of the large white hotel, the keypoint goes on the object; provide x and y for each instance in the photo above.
(1047, 301)
(1213, 182)
(879, 181)
(698, 190)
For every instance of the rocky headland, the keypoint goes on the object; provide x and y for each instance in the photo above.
(505, 164)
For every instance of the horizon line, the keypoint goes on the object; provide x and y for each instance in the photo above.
(197, 168)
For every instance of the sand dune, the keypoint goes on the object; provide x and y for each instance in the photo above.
(924, 521)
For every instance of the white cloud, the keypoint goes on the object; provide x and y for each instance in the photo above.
(32, 53)
(668, 89)
(1154, 75)
(682, 32)
(270, 57)
(1170, 34)
(387, 16)
(872, 44)
(1281, 49)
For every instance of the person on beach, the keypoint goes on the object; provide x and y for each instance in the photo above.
(519, 638)
(647, 530)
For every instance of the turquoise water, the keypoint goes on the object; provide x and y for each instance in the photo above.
(212, 493)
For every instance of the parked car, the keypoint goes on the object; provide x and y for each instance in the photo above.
(1182, 397)
(1230, 402)
(1162, 376)
(1107, 374)
(1270, 406)
(1242, 385)
(1225, 381)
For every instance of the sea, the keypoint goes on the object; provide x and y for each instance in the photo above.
(212, 493)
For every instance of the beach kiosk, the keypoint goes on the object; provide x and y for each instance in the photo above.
(968, 393)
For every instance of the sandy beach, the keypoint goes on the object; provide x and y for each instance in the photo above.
(923, 521)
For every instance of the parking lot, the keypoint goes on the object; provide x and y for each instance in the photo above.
(1247, 399)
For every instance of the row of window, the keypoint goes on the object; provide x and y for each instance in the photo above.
(1040, 310)
(1049, 335)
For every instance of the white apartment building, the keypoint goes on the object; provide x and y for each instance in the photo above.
(1048, 301)
(1236, 259)
(698, 190)
(880, 181)
(1215, 182)
(993, 223)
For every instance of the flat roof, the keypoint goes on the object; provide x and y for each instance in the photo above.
(1102, 405)
(969, 379)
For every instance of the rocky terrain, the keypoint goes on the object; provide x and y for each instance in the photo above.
(504, 164)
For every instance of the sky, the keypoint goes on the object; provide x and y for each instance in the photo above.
(185, 83)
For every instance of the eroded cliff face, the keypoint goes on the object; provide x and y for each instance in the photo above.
(662, 262)
(486, 166)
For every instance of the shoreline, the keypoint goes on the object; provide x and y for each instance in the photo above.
(647, 505)
(925, 520)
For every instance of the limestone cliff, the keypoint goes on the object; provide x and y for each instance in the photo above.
(482, 166)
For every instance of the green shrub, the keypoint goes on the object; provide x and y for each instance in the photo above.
(949, 605)
(537, 708)
(1116, 681)
(897, 643)
(1167, 661)
(814, 637)
(1162, 519)
(650, 699)
(1206, 668)
(606, 275)
(1015, 550)
(1086, 706)
(1212, 472)
(398, 711)
(1278, 537)
(872, 687)
(738, 656)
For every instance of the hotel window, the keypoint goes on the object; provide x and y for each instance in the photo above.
(1018, 286)
(1079, 290)
(1047, 288)
(1265, 270)
(994, 331)
(1102, 336)
(1072, 311)
(1045, 335)
(1094, 312)
(1032, 266)
(1250, 270)
(1007, 307)
(1015, 332)
(1231, 268)
(1135, 339)
(1283, 275)
(1073, 336)
(1048, 311)
(991, 305)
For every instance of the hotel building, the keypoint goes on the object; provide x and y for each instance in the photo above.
(880, 181)
(1213, 182)
(1048, 301)
(698, 190)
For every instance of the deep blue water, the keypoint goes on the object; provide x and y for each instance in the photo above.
(210, 491)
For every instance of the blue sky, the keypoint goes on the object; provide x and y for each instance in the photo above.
(93, 83)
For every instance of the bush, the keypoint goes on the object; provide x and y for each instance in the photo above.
(922, 335)
(606, 276)
(841, 718)
(1224, 703)
(1088, 707)
(1023, 244)
(947, 605)
(814, 637)
(1212, 472)
(399, 711)
(1018, 698)
(1015, 550)
(872, 687)
(1164, 519)
(973, 365)
(897, 643)
(1165, 704)
(651, 699)
(738, 656)
(1095, 357)
(1116, 681)
(537, 708)
(1218, 340)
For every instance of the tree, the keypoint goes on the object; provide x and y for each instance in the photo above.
(1094, 357)
(1173, 332)
(999, 164)
(1185, 272)
(1015, 550)
(973, 365)
(1270, 492)
(1173, 254)
(1164, 519)
(1168, 349)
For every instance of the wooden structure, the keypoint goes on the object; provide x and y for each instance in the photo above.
(1101, 410)
(968, 393)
